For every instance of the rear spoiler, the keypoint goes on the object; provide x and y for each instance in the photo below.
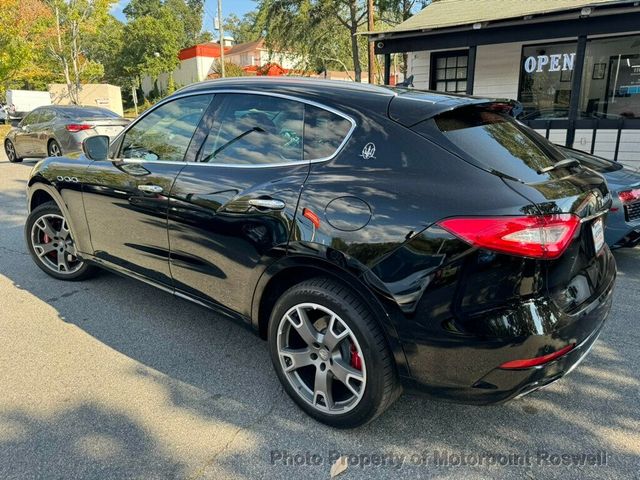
(414, 106)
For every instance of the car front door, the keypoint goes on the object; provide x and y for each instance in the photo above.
(232, 211)
(126, 197)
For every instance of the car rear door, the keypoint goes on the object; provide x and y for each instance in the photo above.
(231, 212)
(42, 131)
(126, 198)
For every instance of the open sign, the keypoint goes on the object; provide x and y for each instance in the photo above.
(551, 63)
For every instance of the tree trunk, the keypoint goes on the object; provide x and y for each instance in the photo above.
(61, 56)
(355, 49)
(75, 54)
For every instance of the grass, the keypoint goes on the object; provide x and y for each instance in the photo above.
(4, 129)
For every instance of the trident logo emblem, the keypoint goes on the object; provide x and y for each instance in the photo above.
(369, 151)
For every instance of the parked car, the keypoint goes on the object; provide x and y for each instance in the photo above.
(59, 130)
(377, 238)
(623, 221)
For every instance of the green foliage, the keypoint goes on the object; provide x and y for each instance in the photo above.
(25, 30)
(187, 16)
(152, 45)
(323, 32)
(230, 69)
(171, 85)
(243, 29)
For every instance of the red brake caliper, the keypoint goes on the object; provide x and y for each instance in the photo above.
(356, 361)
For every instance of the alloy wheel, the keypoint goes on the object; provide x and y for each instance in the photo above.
(10, 151)
(52, 243)
(321, 358)
(54, 150)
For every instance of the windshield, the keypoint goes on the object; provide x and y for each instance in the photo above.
(497, 141)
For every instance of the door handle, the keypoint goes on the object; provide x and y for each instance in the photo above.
(150, 188)
(267, 203)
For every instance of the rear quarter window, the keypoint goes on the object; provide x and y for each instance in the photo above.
(324, 132)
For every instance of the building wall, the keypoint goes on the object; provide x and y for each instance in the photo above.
(91, 94)
(497, 75)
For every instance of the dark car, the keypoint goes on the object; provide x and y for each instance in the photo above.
(56, 130)
(623, 221)
(377, 238)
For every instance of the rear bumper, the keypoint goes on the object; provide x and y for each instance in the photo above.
(467, 370)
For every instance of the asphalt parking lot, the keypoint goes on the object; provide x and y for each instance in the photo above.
(113, 379)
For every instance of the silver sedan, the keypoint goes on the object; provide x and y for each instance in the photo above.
(59, 130)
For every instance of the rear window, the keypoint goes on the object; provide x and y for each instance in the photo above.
(496, 140)
(88, 112)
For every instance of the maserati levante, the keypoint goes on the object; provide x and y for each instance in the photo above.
(378, 239)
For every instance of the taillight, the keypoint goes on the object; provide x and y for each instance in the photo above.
(77, 127)
(536, 236)
(629, 196)
(534, 362)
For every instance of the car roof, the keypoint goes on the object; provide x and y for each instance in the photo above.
(340, 94)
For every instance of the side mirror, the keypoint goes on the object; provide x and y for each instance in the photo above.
(96, 147)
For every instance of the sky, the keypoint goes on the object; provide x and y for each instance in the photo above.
(239, 7)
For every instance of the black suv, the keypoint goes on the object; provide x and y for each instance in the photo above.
(375, 237)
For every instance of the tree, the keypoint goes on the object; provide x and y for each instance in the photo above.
(151, 47)
(26, 27)
(242, 29)
(73, 21)
(187, 15)
(104, 46)
(322, 31)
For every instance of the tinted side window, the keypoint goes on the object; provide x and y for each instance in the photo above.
(255, 130)
(32, 118)
(47, 116)
(165, 133)
(324, 132)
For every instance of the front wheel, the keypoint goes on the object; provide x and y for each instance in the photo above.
(10, 150)
(51, 245)
(330, 354)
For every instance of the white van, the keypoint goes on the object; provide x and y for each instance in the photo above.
(21, 102)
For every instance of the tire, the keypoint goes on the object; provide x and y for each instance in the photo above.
(356, 350)
(51, 246)
(54, 149)
(10, 150)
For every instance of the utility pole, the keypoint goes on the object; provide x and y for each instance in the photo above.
(372, 55)
(221, 35)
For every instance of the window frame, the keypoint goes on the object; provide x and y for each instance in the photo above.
(433, 69)
(199, 137)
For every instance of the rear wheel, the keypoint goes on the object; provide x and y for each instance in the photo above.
(51, 245)
(53, 149)
(330, 354)
(10, 150)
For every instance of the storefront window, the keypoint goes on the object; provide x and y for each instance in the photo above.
(611, 80)
(545, 85)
